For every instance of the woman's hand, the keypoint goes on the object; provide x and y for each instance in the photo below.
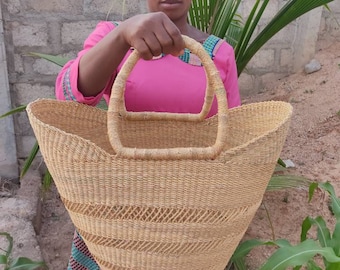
(152, 34)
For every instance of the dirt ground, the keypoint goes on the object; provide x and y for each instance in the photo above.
(313, 145)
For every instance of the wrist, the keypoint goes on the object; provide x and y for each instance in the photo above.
(119, 39)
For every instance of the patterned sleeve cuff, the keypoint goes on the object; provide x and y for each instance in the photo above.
(67, 89)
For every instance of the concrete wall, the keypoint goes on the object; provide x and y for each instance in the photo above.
(56, 27)
(60, 26)
(8, 159)
(330, 25)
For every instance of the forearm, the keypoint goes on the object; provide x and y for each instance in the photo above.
(100, 62)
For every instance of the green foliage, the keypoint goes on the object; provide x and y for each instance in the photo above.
(326, 243)
(29, 160)
(219, 17)
(21, 263)
(282, 179)
(47, 181)
(58, 60)
(13, 111)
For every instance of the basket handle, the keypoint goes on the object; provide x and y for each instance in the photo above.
(117, 110)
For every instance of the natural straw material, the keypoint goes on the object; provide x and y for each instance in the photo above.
(158, 190)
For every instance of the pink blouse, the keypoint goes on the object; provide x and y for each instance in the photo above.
(165, 84)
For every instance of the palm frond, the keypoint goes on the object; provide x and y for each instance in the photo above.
(13, 111)
(58, 60)
(292, 10)
(285, 181)
(29, 160)
(220, 18)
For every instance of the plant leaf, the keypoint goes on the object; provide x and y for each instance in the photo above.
(3, 259)
(215, 16)
(29, 160)
(59, 60)
(23, 263)
(298, 255)
(248, 30)
(282, 243)
(332, 266)
(240, 264)
(223, 16)
(13, 111)
(306, 225)
(10, 243)
(278, 182)
(336, 238)
(335, 202)
(324, 235)
(312, 189)
(292, 10)
(311, 265)
(47, 180)
(239, 256)
(234, 32)
(245, 247)
(280, 162)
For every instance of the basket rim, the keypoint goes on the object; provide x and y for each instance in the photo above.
(99, 150)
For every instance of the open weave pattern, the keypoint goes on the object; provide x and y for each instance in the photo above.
(160, 214)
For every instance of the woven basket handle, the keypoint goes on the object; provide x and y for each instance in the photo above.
(117, 110)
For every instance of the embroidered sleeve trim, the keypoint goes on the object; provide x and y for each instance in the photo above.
(67, 89)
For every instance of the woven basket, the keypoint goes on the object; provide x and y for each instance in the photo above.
(160, 190)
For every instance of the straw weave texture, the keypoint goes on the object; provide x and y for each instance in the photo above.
(160, 211)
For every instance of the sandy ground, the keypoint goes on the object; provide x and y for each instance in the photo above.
(313, 145)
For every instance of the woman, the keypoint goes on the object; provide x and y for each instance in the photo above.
(168, 78)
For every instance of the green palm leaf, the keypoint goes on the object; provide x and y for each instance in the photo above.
(47, 180)
(248, 30)
(23, 263)
(278, 182)
(213, 16)
(219, 16)
(233, 32)
(9, 239)
(292, 10)
(13, 111)
(58, 60)
(29, 160)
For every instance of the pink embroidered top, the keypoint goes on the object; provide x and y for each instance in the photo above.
(164, 84)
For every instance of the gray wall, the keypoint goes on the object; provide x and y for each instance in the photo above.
(8, 159)
(60, 26)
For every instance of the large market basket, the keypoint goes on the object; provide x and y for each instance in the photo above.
(160, 190)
